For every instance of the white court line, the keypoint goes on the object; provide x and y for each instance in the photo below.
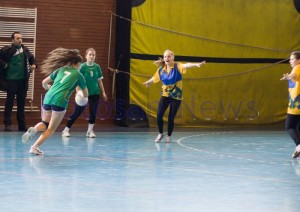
(179, 142)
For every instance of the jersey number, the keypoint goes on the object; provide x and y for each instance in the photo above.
(66, 75)
(91, 73)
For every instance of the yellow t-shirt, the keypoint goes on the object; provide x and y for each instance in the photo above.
(171, 80)
(294, 93)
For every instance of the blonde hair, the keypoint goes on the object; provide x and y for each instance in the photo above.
(160, 61)
(90, 49)
(60, 57)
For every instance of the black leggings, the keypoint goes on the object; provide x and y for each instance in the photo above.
(163, 104)
(292, 126)
(93, 106)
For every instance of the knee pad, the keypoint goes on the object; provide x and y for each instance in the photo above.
(46, 124)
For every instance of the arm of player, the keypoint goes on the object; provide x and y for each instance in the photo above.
(192, 65)
(149, 82)
(45, 83)
(102, 89)
(287, 76)
(85, 92)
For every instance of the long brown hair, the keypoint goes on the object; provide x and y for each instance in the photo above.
(60, 57)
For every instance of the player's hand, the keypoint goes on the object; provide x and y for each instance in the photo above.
(147, 84)
(285, 77)
(104, 96)
(33, 67)
(201, 64)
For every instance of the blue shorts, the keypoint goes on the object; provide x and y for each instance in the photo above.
(53, 108)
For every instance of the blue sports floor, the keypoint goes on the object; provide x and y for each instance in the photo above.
(120, 171)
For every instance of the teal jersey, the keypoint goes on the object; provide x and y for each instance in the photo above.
(65, 81)
(92, 74)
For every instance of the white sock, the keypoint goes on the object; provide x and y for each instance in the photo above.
(90, 127)
(67, 129)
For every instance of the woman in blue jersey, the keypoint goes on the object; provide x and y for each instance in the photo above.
(63, 64)
(93, 76)
(170, 73)
(293, 111)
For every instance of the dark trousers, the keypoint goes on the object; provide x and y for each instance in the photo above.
(163, 104)
(93, 106)
(292, 126)
(16, 88)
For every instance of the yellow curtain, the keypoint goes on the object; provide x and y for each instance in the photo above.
(219, 93)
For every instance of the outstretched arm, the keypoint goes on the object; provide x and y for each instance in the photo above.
(288, 76)
(191, 65)
(149, 82)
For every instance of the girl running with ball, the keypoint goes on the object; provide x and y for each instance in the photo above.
(62, 65)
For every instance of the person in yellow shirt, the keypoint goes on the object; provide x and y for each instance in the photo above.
(293, 111)
(170, 74)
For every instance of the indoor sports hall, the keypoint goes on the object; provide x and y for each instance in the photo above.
(197, 109)
(124, 170)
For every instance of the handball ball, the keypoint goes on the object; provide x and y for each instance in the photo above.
(80, 99)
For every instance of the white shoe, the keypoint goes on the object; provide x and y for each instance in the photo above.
(296, 152)
(90, 134)
(28, 135)
(168, 139)
(65, 134)
(159, 137)
(35, 151)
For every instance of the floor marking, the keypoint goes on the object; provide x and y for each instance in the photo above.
(185, 139)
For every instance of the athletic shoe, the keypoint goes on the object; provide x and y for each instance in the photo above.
(297, 152)
(159, 137)
(168, 139)
(90, 134)
(65, 134)
(28, 135)
(35, 151)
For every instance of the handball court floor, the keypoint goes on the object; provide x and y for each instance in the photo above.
(122, 169)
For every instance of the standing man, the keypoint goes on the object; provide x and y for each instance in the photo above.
(17, 62)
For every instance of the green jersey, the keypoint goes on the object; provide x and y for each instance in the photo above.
(92, 74)
(65, 81)
(16, 66)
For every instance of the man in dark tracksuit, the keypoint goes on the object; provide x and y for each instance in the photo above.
(16, 62)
